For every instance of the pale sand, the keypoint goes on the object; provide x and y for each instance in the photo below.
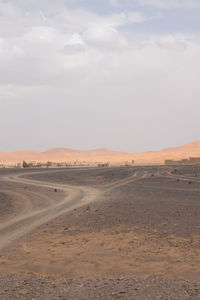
(103, 155)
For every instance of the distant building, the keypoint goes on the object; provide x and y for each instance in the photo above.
(103, 165)
(190, 161)
(194, 160)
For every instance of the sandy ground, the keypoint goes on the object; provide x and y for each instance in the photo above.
(137, 237)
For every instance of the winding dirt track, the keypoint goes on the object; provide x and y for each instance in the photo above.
(33, 215)
(75, 196)
(26, 221)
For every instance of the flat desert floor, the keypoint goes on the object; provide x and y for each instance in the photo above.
(110, 233)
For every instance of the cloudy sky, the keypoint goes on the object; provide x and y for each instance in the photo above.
(86, 74)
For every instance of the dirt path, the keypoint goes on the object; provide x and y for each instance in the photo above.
(136, 176)
(75, 196)
(34, 216)
(18, 226)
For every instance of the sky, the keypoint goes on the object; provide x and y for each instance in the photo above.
(85, 74)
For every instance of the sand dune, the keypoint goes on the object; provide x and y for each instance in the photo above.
(176, 153)
(102, 155)
(66, 155)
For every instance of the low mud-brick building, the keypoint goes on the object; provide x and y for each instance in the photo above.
(190, 161)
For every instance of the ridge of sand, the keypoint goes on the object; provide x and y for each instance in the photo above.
(103, 155)
(176, 153)
(66, 155)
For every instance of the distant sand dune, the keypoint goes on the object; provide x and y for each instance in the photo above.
(158, 157)
(102, 155)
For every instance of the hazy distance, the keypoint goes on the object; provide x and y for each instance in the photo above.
(118, 74)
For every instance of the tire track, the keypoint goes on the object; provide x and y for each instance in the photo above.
(76, 196)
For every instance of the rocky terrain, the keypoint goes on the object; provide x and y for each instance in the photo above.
(124, 233)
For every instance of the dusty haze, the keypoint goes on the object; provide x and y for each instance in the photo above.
(88, 74)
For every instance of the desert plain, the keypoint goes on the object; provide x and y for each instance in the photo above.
(100, 233)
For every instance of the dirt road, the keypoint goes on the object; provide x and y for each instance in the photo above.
(38, 207)
(34, 215)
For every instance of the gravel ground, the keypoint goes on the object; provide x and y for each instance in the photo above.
(165, 204)
(86, 177)
(156, 203)
(151, 288)
(5, 203)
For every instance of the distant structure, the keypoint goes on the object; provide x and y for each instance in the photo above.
(49, 164)
(103, 165)
(194, 160)
(11, 166)
(190, 161)
(128, 164)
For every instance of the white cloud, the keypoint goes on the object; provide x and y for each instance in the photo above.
(171, 3)
(100, 35)
(113, 2)
(68, 44)
(42, 15)
(44, 42)
(84, 64)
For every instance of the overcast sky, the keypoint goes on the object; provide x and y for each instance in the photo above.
(86, 74)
